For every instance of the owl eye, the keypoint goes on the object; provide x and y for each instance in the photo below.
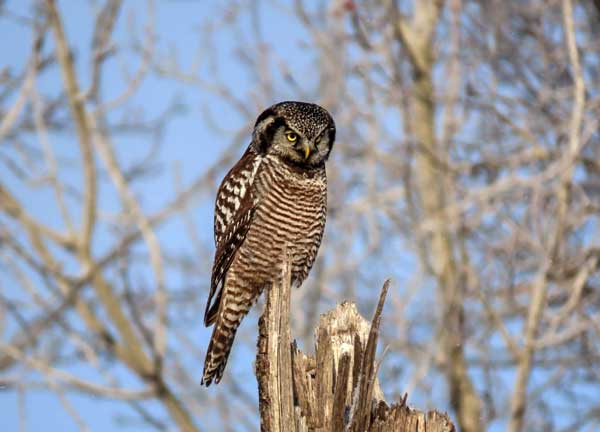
(291, 136)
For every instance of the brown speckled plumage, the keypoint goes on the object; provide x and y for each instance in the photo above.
(272, 199)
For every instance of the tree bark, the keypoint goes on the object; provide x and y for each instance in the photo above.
(337, 388)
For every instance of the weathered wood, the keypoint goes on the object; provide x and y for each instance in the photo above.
(274, 360)
(339, 399)
(337, 389)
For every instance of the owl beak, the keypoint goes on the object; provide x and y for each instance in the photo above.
(306, 151)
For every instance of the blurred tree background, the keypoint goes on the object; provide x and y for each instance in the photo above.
(467, 168)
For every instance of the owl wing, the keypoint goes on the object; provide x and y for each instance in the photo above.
(234, 209)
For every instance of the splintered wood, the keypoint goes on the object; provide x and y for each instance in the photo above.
(337, 389)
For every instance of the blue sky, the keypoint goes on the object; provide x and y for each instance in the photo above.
(190, 147)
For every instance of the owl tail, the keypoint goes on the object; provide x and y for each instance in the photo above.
(226, 324)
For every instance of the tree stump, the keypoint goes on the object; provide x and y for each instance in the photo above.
(337, 389)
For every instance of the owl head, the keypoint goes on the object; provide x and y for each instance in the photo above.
(299, 133)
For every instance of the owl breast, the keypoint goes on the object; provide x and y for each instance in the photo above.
(290, 216)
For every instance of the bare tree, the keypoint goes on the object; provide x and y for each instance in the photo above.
(466, 168)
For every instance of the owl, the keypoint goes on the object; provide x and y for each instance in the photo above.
(274, 199)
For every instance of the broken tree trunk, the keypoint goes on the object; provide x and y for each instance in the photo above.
(337, 389)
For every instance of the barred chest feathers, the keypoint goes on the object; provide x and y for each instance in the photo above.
(291, 213)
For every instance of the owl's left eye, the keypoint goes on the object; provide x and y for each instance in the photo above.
(291, 136)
